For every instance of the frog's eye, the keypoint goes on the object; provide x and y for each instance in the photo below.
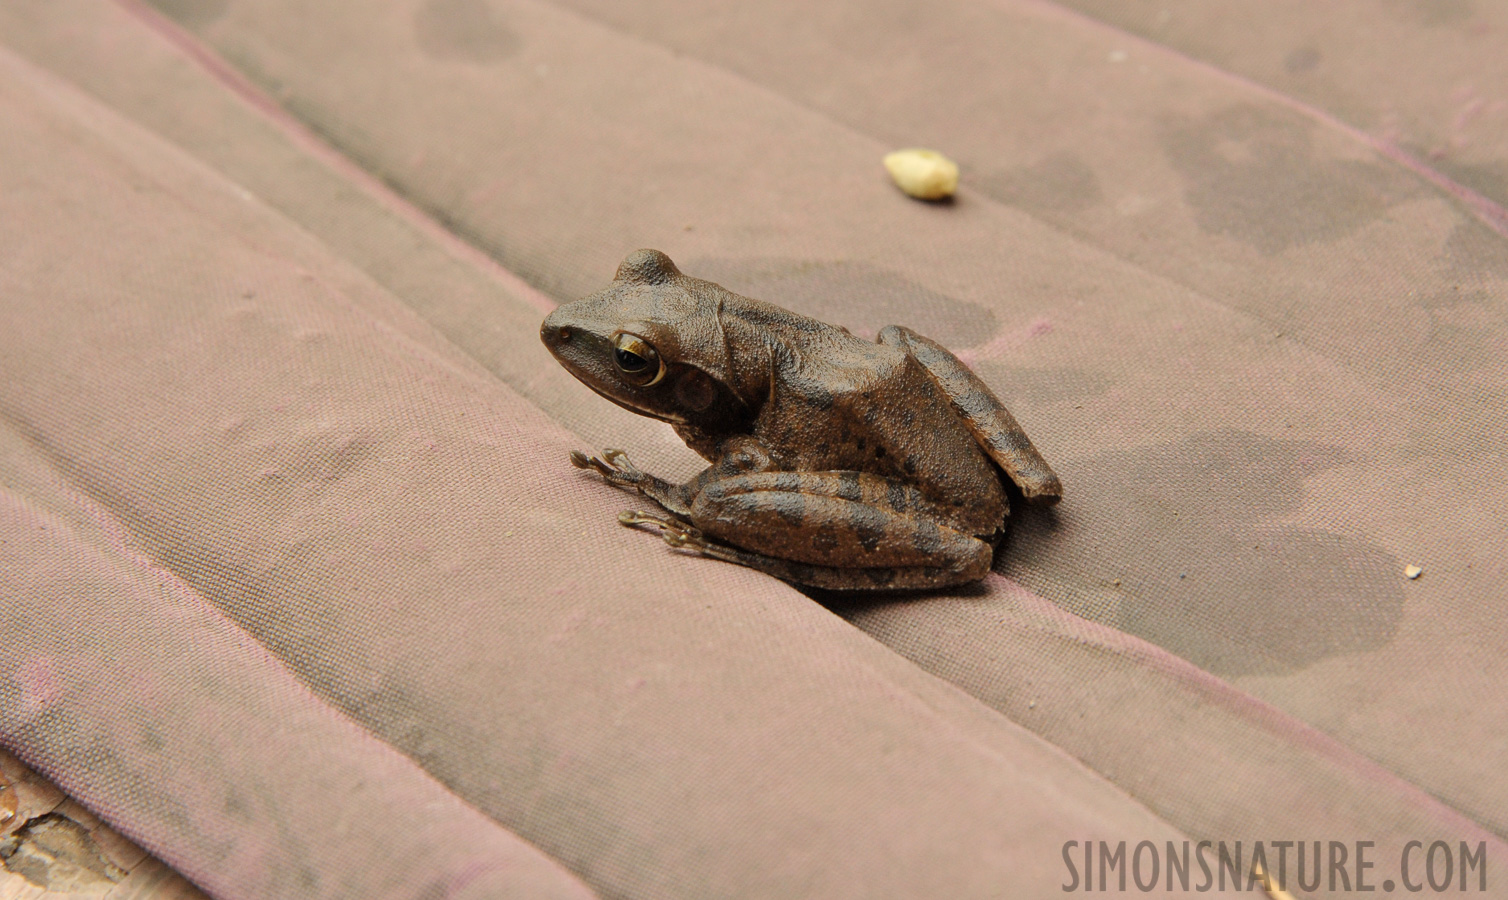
(638, 361)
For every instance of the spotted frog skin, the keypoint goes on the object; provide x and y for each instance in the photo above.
(836, 463)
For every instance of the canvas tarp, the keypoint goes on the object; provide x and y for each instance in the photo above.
(286, 480)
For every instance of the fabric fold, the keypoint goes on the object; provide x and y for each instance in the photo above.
(1266, 361)
(403, 533)
(147, 703)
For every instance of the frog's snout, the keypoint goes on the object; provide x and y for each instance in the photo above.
(555, 333)
(575, 344)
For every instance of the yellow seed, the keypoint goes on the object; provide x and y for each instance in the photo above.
(924, 174)
(1412, 572)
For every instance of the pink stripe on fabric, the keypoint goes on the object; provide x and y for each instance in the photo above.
(1491, 213)
(1231, 698)
(305, 139)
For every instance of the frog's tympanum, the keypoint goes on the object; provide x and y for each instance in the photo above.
(836, 462)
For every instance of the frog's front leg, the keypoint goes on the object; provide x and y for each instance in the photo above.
(993, 426)
(739, 455)
(615, 469)
(834, 530)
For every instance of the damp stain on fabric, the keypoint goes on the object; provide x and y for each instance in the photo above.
(192, 13)
(1257, 176)
(1060, 183)
(1258, 595)
(855, 294)
(464, 31)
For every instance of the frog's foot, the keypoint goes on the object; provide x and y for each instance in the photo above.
(614, 467)
(682, 536)
(675, 532)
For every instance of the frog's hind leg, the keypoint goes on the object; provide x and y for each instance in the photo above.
(882, 578)
(834, 530)
(993, 426)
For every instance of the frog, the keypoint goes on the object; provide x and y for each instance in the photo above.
(835, 462)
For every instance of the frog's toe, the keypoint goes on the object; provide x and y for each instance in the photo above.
(608, 467)
(667, 526)
(683, 538)
(675, 532)
(619, 461)
(632, 517)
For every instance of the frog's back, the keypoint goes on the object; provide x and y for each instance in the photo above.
(845, 404)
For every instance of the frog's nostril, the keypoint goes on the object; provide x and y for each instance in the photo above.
(564, 334)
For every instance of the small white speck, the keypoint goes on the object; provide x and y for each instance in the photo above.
(1412, 572)
(1119, 56)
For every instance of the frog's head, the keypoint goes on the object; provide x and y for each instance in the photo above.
(651, 342)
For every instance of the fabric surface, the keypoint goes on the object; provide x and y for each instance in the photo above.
(288, 514)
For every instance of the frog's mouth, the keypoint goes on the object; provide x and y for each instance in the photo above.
(638, 410)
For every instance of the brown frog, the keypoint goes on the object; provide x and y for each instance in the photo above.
(836, 462)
